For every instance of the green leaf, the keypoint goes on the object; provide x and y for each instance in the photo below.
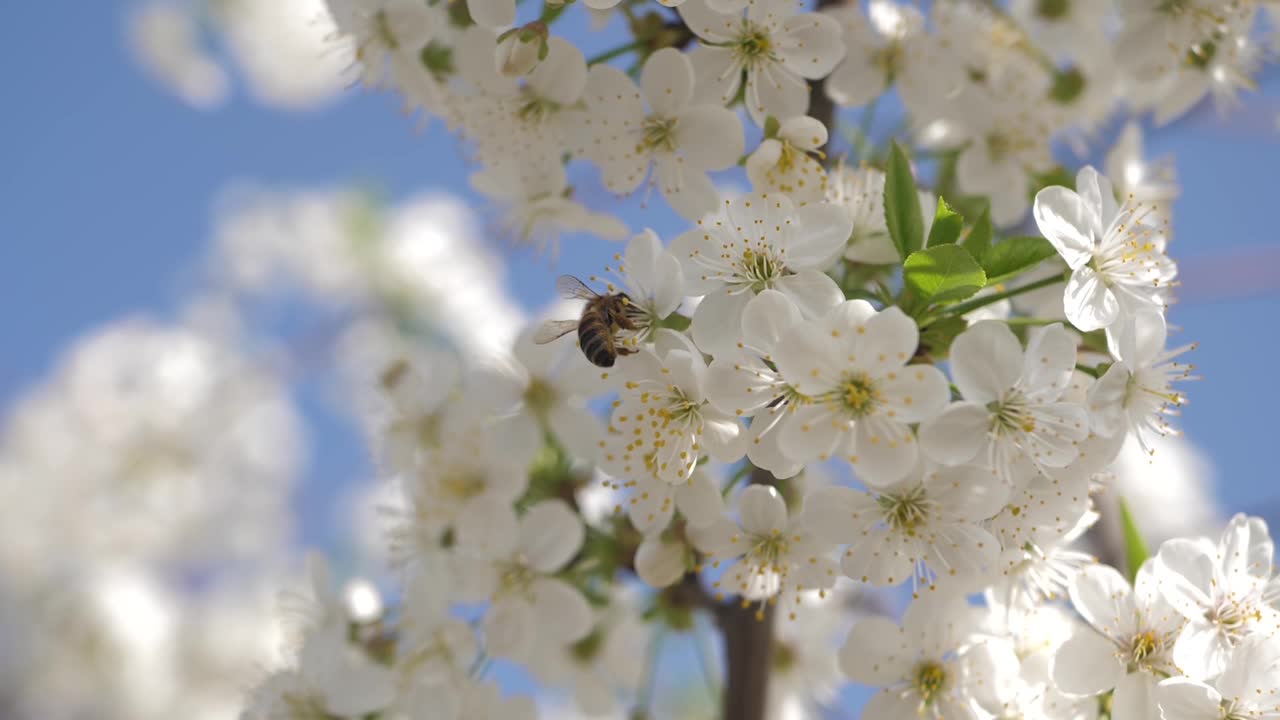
(1015, 255)
(944, 273)
(936, 338)
(1135, 548)
(947, 224)
(979, 240)
(771, 126)
(902, 204)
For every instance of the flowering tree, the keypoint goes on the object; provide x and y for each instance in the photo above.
(901, 364)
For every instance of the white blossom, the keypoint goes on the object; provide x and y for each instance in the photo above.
(758, 242)
(1117, 261)
(681, 136)
(1012, 407)
(765, 553)
(769, 51)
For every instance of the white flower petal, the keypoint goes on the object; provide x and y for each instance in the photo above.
(708, 24)
(1135, 698)
(561, 612)
(986, 360)
(659, 563)
(803, 132)
(1187, 577)
(810, 45)
(1103, 597)
(666, 81)
(1201, 651)
(804, 358)
(488, 525)
(836, 514)
(1066, 222)
(765, 318)
(700, 500)
(957, 434)
(881, 558)
(1087, 301)
(723, 437)
(717, 322)
(1086, 665)
(1050, 362)
(1186, 699)
(697, 195)
(813, 292)
(915, 393)
(709, 137)
(762, 510)
(876, 652)
(550, 535)
(718, 75)
(883, 451)
(561, 77)
(813, 432)
(492, 13)
(774, 90)
(825, 228)
(510, 629)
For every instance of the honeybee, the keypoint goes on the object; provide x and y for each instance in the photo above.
(608, 326)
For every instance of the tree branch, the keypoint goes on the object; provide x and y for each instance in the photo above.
(820, 106)
(748, 647)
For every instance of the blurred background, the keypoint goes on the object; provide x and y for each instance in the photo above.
(210, 241)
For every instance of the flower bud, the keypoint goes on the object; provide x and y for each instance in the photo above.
(521, 49)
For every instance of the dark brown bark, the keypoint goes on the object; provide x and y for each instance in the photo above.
(748, 647)
(820, 106)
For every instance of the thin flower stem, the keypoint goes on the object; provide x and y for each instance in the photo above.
(615, 52)
(986, 300)
(1088, 370)
(1031, 321)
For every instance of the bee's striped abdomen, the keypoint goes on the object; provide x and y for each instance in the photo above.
(596, 340)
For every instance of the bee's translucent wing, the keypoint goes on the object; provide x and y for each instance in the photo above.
(573, 288)
(553, 330)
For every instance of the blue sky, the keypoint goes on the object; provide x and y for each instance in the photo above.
(108, 183)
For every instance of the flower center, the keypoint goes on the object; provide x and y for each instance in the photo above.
(930, 681)
(759, 269)
(539, 397)
(1144, 645)
(1231, 617)
(462, 485)
(1011, 415)
(889, 58)
(679, 408)
(657, 133)
(905, 512)
(768, 552)
(382, 30)
(754, 44)
(515, 577)
(858, 395)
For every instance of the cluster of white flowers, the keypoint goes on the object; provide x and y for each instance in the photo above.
(154, 455)
(988, 87)
(968, 388)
